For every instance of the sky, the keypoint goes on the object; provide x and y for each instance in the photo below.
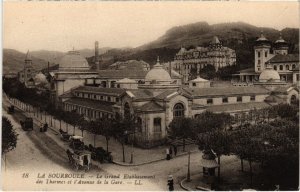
(60, 26)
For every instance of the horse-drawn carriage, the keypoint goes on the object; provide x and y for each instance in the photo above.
(27, 124)
(64, 135)
(11, 109)
(79, 159)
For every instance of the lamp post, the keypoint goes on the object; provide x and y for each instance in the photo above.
(188, 178)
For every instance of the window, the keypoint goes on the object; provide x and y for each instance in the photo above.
(108, 99)
(258, 54)
(209, 101)
(239, 99)
(225, 99)
(95, 96)
(101, 97)
(275, 67)
(252, 98)
(280, 67)
(293, 66)
(117, 99)
(258, 62)
(178, 110)
(287, 67)
(266, 53)
(157, 124)
(194, 84)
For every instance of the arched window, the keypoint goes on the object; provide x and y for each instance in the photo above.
(280, 67)
(287, 67)
(293, 66)
(178, 110)
(126, 111)
(275, 67)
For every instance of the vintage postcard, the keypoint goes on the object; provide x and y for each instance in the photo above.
(150, 96)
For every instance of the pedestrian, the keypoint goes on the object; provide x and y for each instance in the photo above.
(171, 152)
(170, 183)
(168, 154)
(175, 149)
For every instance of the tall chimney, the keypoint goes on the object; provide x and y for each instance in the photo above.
(97, 55)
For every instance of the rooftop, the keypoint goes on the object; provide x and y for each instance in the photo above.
(237, 107)
(284, 58)
(93, 104)
(107, 91)
(219, 91)
(151, 106)
(121, 74)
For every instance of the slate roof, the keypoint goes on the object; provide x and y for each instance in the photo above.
(151, 106)
(166, 93)
(284, 58)
(219, 91)
(121, 74)
(106, 91)
(237, 107)
(141, 93)
(98, 105)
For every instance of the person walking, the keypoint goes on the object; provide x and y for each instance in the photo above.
(175, 149)
(171, 152)
(170, 183)
(168, 154)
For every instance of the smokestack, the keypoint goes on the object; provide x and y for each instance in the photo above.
(97, 55)
(48, 66)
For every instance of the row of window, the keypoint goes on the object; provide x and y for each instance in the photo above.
(88, 112)
(287, 67)
(266, 54)
(225, 99)
(97, 97)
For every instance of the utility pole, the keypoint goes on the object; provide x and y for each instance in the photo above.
(188, 178)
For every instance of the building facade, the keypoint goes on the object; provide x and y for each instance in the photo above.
(195, 59)
(276, 56)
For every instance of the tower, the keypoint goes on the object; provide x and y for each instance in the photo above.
(28, 69)
(97, 55)
(261, 52)
(281, 46)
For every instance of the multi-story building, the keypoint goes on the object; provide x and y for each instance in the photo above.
(159, 100)
(277, 57)
(195, 59)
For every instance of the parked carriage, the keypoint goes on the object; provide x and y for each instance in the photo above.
(80, 159)
(27, 124)
(11, 109)
(76, 142)
(64, 135)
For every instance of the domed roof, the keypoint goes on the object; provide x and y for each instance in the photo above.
(262, 37)
(269, 74)
(158, 73)
(73, 60)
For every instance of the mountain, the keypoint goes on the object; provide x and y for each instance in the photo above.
(55, 56)
(13, 61)
(239, 36)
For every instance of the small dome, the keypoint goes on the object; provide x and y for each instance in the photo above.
(269, 74)
(262, 38)
(158, 73)
(73, 61)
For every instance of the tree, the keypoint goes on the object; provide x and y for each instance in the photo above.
(181, 127)
(225, 73)
(95, 128)
(106, 130)
(219, 141)
(9, 136)
(119, 130)
(208, 72)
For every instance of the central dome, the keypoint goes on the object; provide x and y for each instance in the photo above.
(158, 73)
(269, 74)
(73, 61)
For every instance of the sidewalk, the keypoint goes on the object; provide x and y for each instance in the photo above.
(140, 156)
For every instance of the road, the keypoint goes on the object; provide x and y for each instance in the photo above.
(38, 152)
